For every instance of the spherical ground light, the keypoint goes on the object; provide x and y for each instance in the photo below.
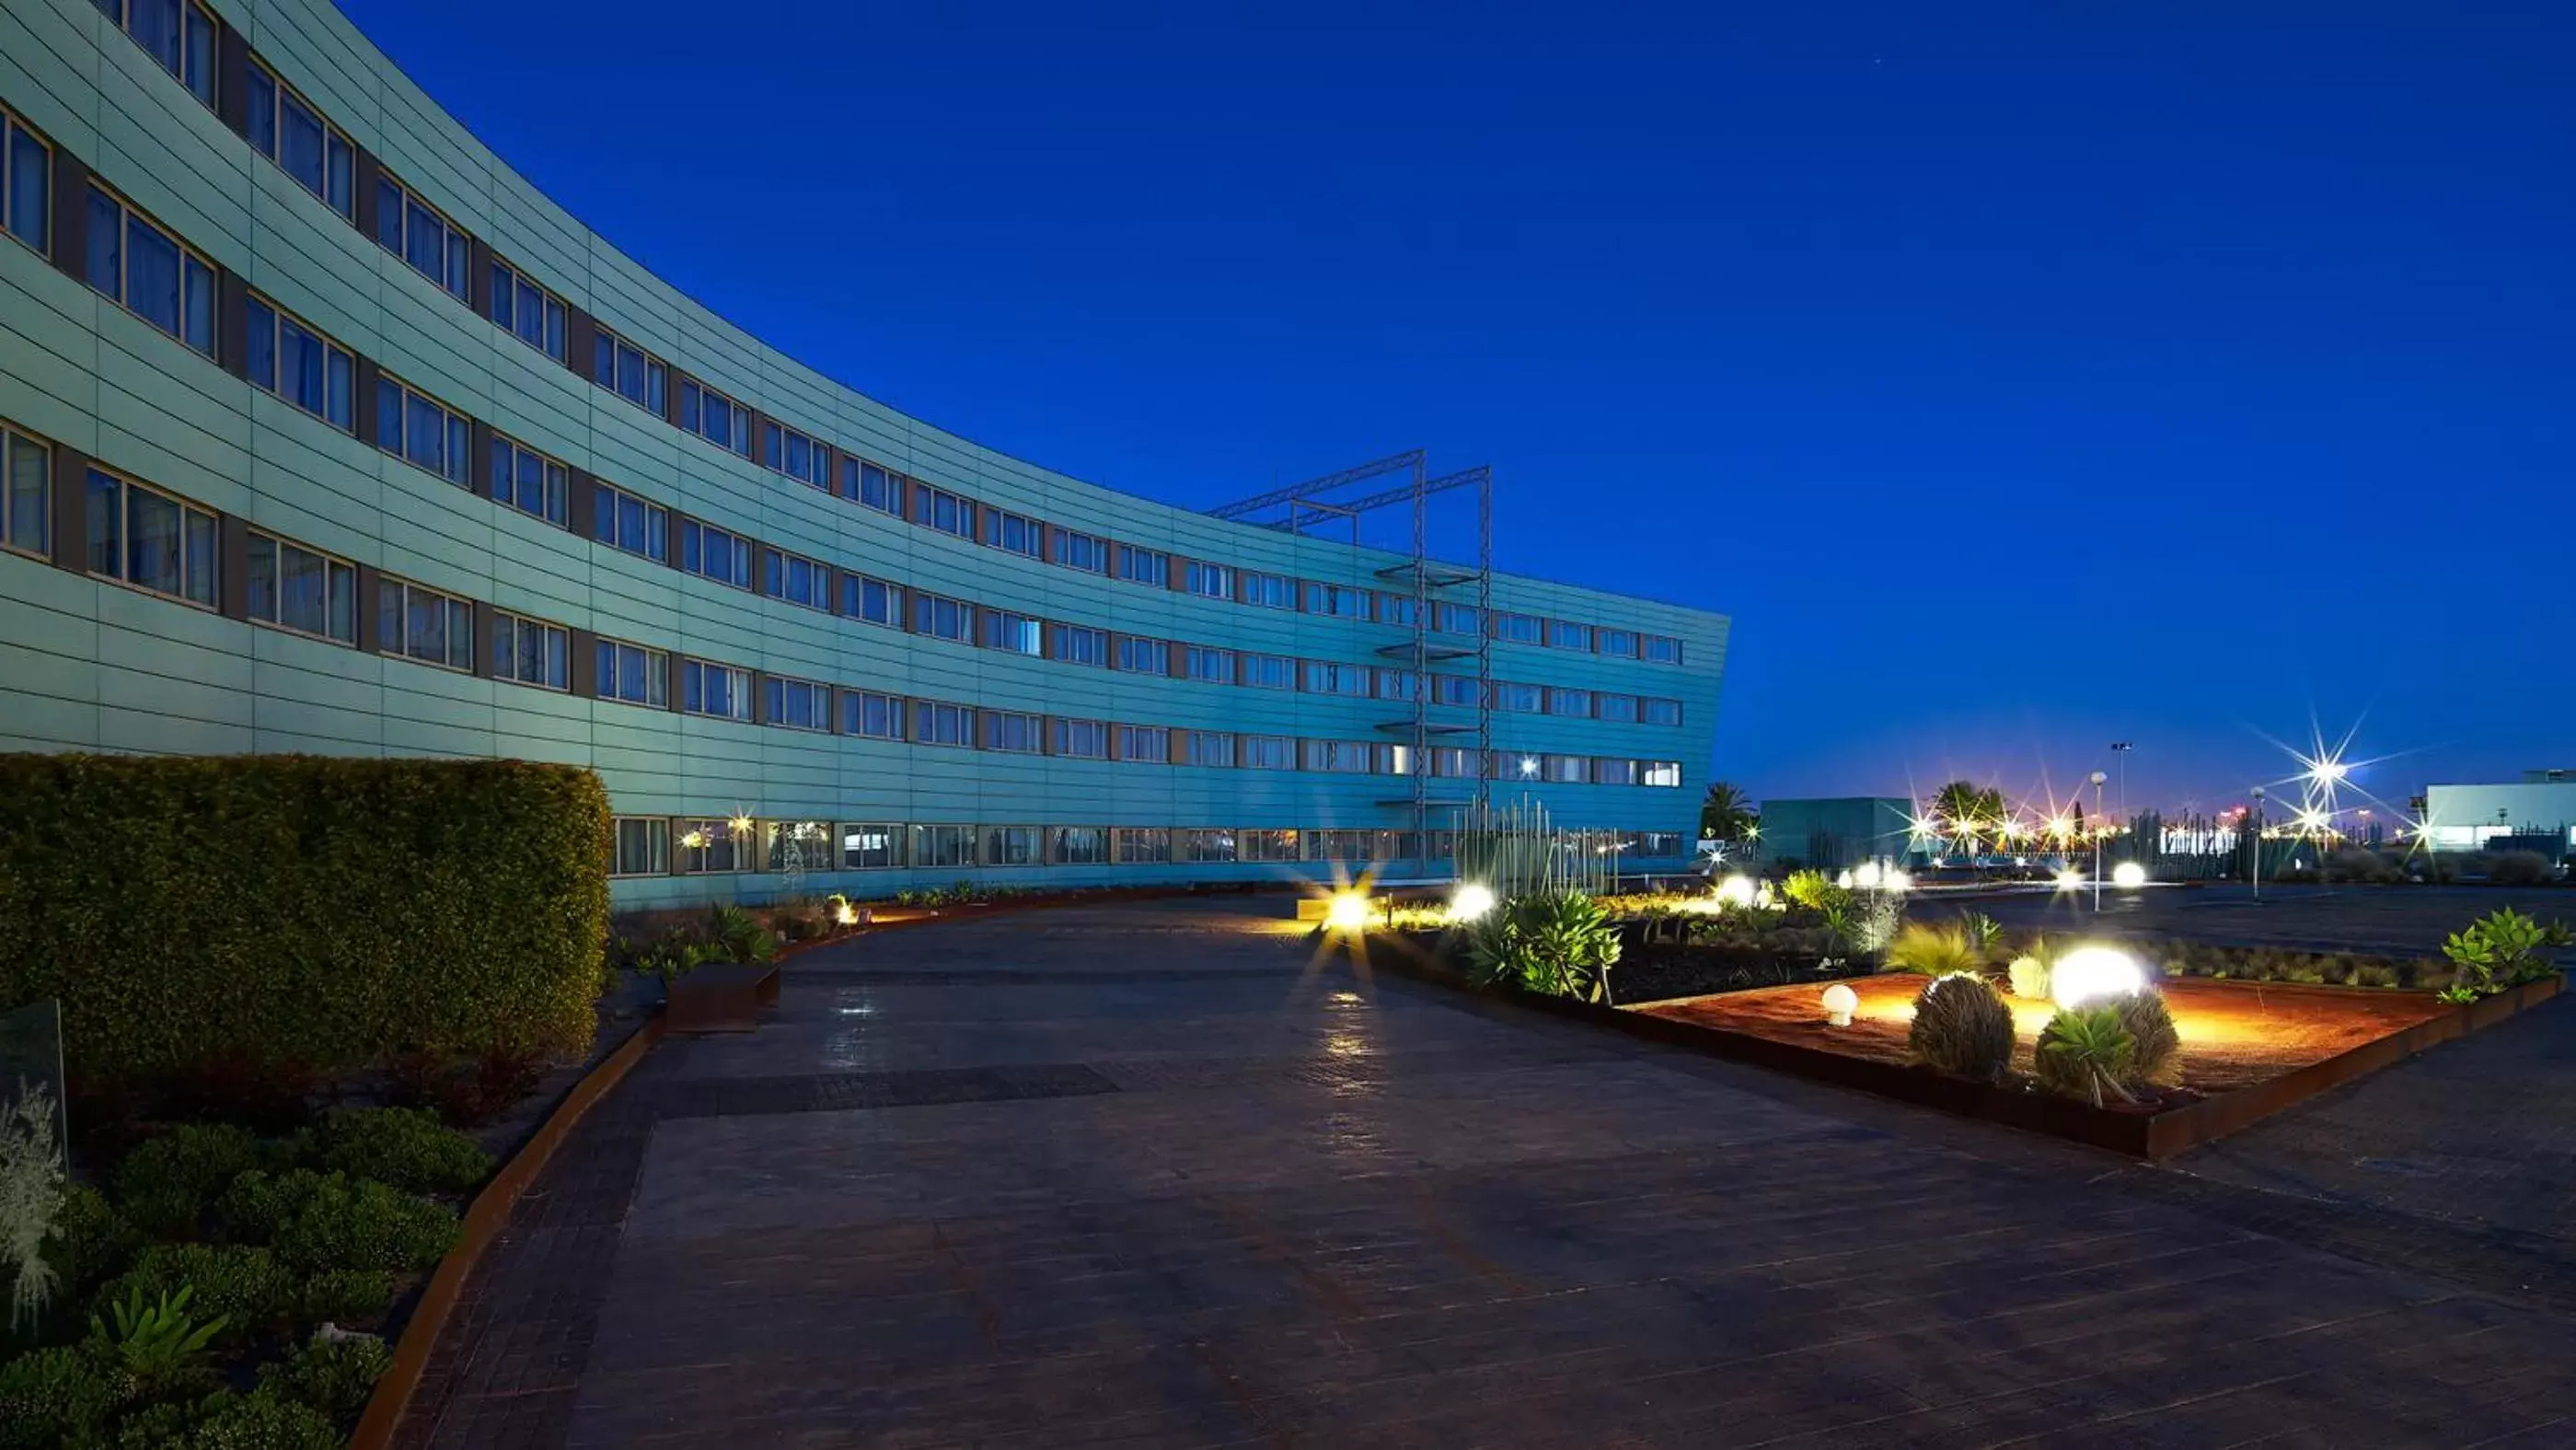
(1349, 911)
(1736, 890)
(2129, 874)
(1472, 900)
(1840, 1003)
(2090, 974)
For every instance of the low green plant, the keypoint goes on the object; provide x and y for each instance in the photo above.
(2517, 868)
(1813, 890)
(163, 1185)
(89, 1241)
(243, 1288)
(329, 1221)
(1934, 951)
(347, 1296)
(2030, 975)
(159, 1342)
(2458, 995)
(2499, 950)
(224, 1420)
(406, 1147)
(2085, 1050)
(1962, 1026)
(63, 1395)
(1558, 944)
(332, 1373)
(738, 936)
(2155, 1047)
(1985, 935)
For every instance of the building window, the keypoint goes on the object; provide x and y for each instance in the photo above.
(712, 689)
(413, 230)
(873, 600)
(135, 263)
(1454, 618)
(716, 418)
(632, 673)
(1011, 730)
(296, 589)
(1150, 744)
(1341, 757)
(1143, 845)
(425, 625)
(1340, 601)
(531, 652)
(711, 553)
(422, 431)
(622, 521)
(1454, 690)
(1322, 677)
(798, 704)
(1518, 628)
(1665, 773)
(1455, 763)
(1210, 581)
(630, 372)
(643, 847)
(1205, 662)
(943, 618)
(947, 512)
(1394, 760)
(177, 33)
(1208, 747)
(1082, 551)
(796, 579)
(150, 540)
(1340, 845)
(1519, 699)
(527, 311)
(936, 723)
(1146, 566)
(1565, 634)
(26, 493)
(1077, 644)
(796, 455)
(1269, 846)
(872, 486)
(1619, 708)
(1144, 656)
(1206, 845)
(301, 365)
(286, 129)
(1082, 739)
(1079, 845)
(1270, 591)
(1269, 672)
(943, 846)
(529, 481)
(1566, 770)
(796, 845)
(1563, 701)
(26, 184)
(1013, 846)
(1663, 712)
(1399, 684)
(1268, 752)
(871, 846)
(1614, 772)
(1663, 650)
(1659, 844)
(711, 846)
(1017, 633)
(1026, 537)
(878, 717)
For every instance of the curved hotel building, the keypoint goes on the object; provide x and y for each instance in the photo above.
(322, 431)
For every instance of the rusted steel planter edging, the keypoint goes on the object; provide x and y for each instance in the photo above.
(483, 1221)
(2137, 1135)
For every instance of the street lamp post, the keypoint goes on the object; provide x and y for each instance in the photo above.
(2254, 824)
(2098, 778)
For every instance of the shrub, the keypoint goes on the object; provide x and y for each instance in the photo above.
(1934, 951)
(2082, 1051)
(1963, 1027)
(331, 1373)
(2370, 974)
(227, 1421)
(2518, 868)
(242, 1288)
(2501, 949)
(327, 1221)
(1813, 890)
(2030, 978)
(2155, 1048)
(347, 1296)
(60, 1396)
(90, 1240)
(1557, 944)
(161, 1342)
(162, 1184)
(2356, 865)
(321, 911)
(406, 1147)
(738, 936)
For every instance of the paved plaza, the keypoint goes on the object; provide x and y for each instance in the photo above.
(2389, 920)
(1145, 1175)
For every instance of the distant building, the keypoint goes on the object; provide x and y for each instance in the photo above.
(2538, 813)
(1831, 833)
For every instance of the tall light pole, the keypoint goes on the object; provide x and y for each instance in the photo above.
(2098, 778)
(2254, 824)
(2120, 752)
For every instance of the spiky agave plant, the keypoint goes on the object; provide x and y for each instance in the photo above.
(2083, 1050)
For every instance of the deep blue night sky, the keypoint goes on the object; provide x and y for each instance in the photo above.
(2018, 377)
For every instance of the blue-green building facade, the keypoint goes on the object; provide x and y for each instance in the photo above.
(325, 432)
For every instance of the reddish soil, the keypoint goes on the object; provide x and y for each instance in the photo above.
(2233, 1033)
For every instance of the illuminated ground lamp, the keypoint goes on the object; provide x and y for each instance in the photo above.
(1736, 891)
(1472, 900)
(1347, 912)
(1840, 1003)
(845, 914)
(1865, 876)
(1894, 880)
(2091, 974)
(2129, 874)
(1844, 881)
(2069, 879)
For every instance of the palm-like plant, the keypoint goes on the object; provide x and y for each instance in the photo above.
(1968, 810)
(156, 1342)
(2085, 1049)
(1726, 812)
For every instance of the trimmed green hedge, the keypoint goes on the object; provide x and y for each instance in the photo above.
(300, 909)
